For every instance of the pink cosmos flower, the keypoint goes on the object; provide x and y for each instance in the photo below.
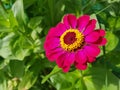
(74, 41)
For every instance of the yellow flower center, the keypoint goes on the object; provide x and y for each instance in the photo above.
(71, 40)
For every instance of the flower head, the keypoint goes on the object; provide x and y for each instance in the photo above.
(74, 41)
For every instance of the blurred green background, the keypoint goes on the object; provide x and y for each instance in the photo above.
(23, 27)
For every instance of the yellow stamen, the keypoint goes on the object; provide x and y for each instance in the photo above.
(78, 43)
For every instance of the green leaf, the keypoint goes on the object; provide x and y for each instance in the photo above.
(34, 22)
(54, 71)
(12, 20)
(112, 41)
(5, 50)
(65, 81)
(19, 54)
(114, 44)
(3, 63)
(39, 45)
(94, 78)
(3, 13)
(20, 47)
(114, 23)
(3, 81)
(27, 81)
(118, 24)
(113, 58)
(5, 29)
(18, 10)
(17, 68)
(28, 3)
(4, 21)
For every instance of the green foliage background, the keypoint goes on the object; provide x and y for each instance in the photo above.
(23, 27)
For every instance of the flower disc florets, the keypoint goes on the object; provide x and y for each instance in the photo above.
(71, 40)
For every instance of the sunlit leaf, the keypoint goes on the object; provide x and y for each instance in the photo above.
(27, 81)
(18, 10)
(34, 22)
(112, 41)
(94, 78)
(5, 29)
(5, 50)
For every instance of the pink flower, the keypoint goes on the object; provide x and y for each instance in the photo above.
(75, 41)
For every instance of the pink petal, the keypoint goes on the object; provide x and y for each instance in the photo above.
(92, 50)
(71, 57)
(61, 28)
(90, 27)
(81, 66)
(58, 30)
(69, 60)
(101, 41)
(63, 63)
(91, 59)
(70, 21)
(52, 39)
(66, 68)
(53, 32)
(80, 57)
(51, 44)
(82, 22)
(101, 32)
(65, 60)
(52, 55)
(60, 60)
(92, 37)
(49, 37)
(104, 41)
(65, 21)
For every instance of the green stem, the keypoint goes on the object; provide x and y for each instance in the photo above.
(119, 85)
(105, 64)
(51, 7)
(104, 51)
(86, 5)
(103, 9)
(81, 74)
